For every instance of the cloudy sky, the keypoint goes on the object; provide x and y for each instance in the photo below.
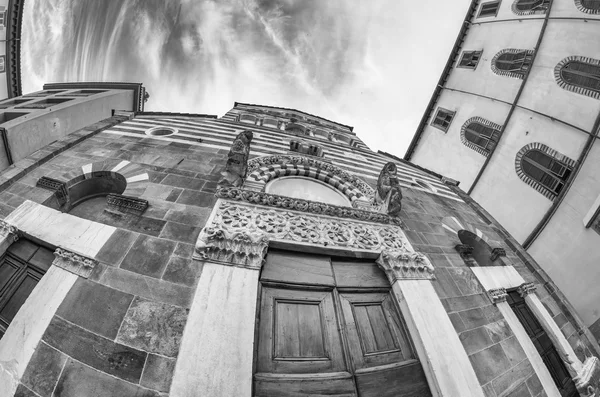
(372, 64)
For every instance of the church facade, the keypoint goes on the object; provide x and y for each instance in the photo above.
(515, 118)
(267, 252)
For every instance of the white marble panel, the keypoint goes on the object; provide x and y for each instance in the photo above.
(492, 277)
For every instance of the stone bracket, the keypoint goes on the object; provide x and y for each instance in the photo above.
(126, 204)
(497, 253)
(405, 266)
(58, 187)
(74, 263)
(243, 249)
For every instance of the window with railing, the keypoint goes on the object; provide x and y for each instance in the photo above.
(580, 75)
(512, 62)
(480, 135)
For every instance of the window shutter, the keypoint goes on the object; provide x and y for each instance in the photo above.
(582, 74)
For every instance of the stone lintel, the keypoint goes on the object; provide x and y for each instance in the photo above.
(405, 265)
(244, 249)
(74, 263)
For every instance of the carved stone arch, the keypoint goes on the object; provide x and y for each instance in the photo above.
(500, 72)
(550, 152)
(130, 176)
(571, 87)
(479, 120)
(264, 169)
(581, 6)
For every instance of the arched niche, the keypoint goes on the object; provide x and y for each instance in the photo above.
(481, 251)
(302, 187)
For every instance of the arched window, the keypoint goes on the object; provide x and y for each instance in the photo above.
(480, 135)
(528, 7)
(474, 250)
(579, 74)
(588, 6)
(512, 62)
(304, 188)
(543, 168)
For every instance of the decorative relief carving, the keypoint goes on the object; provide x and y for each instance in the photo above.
(314, 207)
(74, 263)
(58, 187)
(497, 253)
(388, 191)
(526, 289)
(405, 265)
(127, 204)
(588, 379)
(233, 217)
(266, 161)
(245, 249)
(9, 232)
(497, 295)
(237, 160)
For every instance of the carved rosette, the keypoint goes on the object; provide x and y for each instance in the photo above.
(497, 295)
(405, 266)
(587, 381)
(8, 232)
(526, 289)
(244, 249)
(74, 263)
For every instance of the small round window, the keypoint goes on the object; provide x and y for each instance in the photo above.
(161, 131)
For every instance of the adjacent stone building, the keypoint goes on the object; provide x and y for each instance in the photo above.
(267, 252)
(515, 118)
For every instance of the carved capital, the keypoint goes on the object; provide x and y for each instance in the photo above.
(405, 266)
(526, 289)
(74, 263)
(588, 380)
(497, 295)
(126, 204)
(8, 232)
(497, 253)
(245, 248)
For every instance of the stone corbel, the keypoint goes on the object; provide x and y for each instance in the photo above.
(8, 235)
(588, 379)
(497, 253)
(497, 295)
(526, 289)
(244, 249)
(405, 266)
(58, 187)
(74, 263)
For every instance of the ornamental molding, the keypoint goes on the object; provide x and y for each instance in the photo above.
(262, 168)
(497, 295)
(58, 187)
(8, 232)
(587, 381)
(526, 289)
(405, 266)
(314, 207)
(239, 232)
(237, 248)
(131, 205)
(74, 263)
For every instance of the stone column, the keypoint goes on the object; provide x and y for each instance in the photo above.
(445, 362)
(217, 347)
(8, 235)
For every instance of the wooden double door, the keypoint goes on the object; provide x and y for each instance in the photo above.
(331, 327)
(543, 344)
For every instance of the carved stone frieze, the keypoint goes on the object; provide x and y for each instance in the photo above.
(405, 266)
(388, 191)
(126, 204)
(309, 228)
(587, 381)
(266, 161)
(74, 263)
(8, 231)
(526, 289)
(497, 295)
(261, 198)
(497, 253)
(238, 248)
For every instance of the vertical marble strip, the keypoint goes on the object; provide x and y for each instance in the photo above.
(445, 362)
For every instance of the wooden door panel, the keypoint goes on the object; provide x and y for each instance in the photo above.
(375, 334)
(359, 274)
(331, 385)
(8, 269)
(298, 333)
(297, 268)
(14, 299)
(406, 380)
